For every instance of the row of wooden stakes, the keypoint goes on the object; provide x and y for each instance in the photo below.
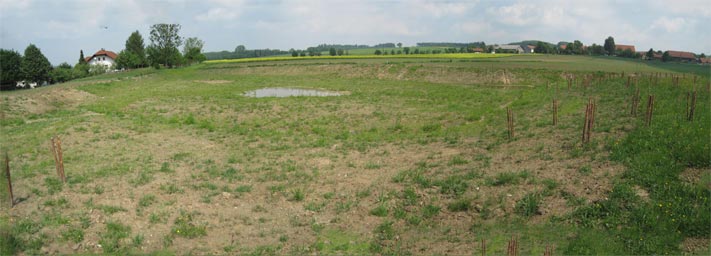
(56, 148)
(591, 108)
(512, 248)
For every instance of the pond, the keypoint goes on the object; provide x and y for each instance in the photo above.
(281, 92)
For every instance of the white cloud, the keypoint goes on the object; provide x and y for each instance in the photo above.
(670, 25)
(14, 5)
(217, 14)
(683, 7)
(441, 9)
(223, 10)
(518, 14)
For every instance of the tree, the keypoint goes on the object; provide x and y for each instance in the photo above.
(392, 52)
(399, 45)
(610, 45)
(136, 51)
(332, 51)
(10, 71)
(126, 59)
(240, 49)
(407, 50)
(577, 47)
(294, 53)
(417, 51)
(650, 54)
(62, 73)
(339, 52)
(193, 50)
(164, 45)
(35, 66)
(627, 53)
(82, 60)
(569, 48)
(597, 49)
(666, 57)
(378, 52)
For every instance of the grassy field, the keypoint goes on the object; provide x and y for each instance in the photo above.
(413, 158)
(448, 56)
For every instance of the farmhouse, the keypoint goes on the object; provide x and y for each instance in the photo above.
(478, 50)
(705, 61)
(623, 47)
(530, 49)
(682, 56)
(510, 48)
(102, 57)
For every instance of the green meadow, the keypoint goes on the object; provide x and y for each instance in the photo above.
(414, 158)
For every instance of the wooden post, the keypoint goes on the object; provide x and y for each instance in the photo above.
(58, 159)
(635, 103)
(510, 122)
(593, 108)
(549, 251)
(9, 180)
(650, 110)
(589, 122)
(555, 112)
(483, 247)
(691, 99)
(512, 249)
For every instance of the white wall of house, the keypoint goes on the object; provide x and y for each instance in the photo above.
(102, 60)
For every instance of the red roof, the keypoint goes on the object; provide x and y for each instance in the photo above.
(682, 55)
(478, 49)
(102, 52)
(531, 46)
(563, 46)
(622, 47)
(705, 60)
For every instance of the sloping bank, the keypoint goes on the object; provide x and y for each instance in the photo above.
(662, 200)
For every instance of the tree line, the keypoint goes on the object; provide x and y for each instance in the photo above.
(242, 52)
(33, 67)
(453, 45)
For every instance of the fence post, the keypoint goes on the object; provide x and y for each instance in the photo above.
(9, 180)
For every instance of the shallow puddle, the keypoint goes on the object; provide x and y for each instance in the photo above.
(288, 92)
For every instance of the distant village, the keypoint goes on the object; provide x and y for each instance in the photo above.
(677, 56)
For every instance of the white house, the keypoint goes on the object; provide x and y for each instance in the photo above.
(102, 57)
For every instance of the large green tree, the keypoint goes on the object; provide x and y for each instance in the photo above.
(610, 45)
(135, 51)
(35, 66)
(10, 71)
(192, 52)
(164, 45)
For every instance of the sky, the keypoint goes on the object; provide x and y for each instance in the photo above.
(62, 28)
